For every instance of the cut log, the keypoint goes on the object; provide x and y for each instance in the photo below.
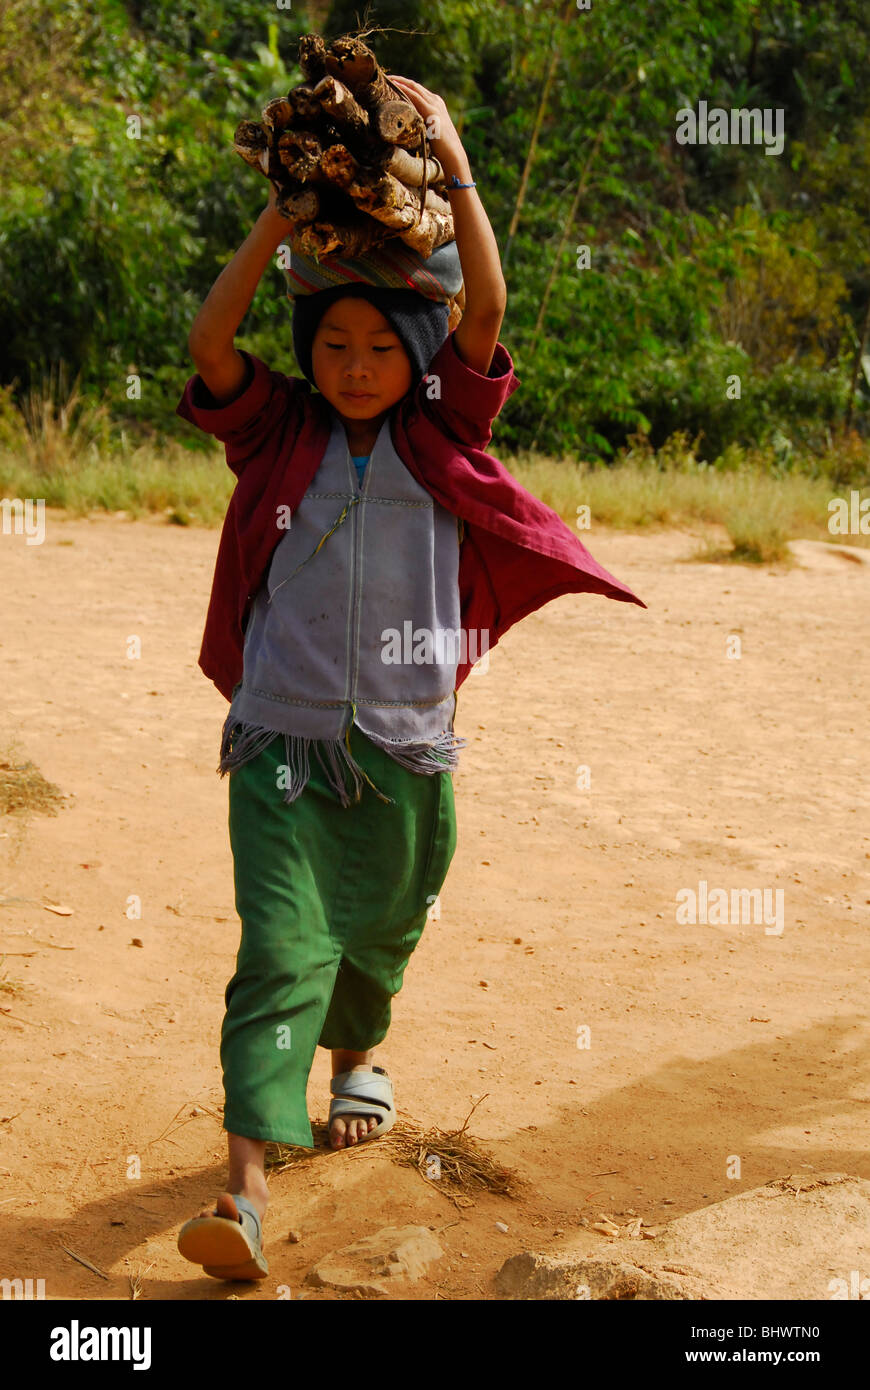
(339, 239)
(251, 142)
(300, 153)
(339, 166)
(353, 59)
(277, 114)
(398, 123)
(384, 195)
(355, 64)
(374, 191)
(306, 107)
(312, 57)
(412, 170)
(338, 102)
(347, 156)
(422, 233)
(434, 230)
(299, 207)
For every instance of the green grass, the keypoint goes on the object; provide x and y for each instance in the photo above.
(185, 486)
(760, 512)
(68, 454)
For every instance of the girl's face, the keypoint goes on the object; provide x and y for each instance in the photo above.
(358, 361)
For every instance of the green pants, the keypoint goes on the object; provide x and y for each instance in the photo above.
(332, 900)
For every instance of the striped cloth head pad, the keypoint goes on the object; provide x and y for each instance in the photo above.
(392, 266)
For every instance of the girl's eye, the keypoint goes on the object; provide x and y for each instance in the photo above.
(388, 348)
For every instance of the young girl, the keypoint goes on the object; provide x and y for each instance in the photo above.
(369, 542)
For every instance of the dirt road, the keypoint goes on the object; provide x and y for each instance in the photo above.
(706, 1041)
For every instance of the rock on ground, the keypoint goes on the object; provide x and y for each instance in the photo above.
(370, 1265)
(799, 1237)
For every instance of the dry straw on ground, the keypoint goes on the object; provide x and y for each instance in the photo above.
(24, 789)
(462, 1167)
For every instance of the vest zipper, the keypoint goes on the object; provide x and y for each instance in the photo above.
(356, 591)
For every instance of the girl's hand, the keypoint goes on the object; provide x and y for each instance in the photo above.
(275, 219)
(444, 137)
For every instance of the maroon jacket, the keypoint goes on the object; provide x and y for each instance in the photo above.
(516, 552)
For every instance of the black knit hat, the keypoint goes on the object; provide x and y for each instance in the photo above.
(420, 323)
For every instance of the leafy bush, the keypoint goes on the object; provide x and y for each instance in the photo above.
(706, 262)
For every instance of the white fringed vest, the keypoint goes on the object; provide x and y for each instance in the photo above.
(358, 622)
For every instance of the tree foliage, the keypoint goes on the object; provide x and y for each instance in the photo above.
(123, 198)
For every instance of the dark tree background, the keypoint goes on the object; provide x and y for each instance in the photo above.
(704, 261)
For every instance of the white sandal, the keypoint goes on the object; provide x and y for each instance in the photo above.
(226, 1249)
(362, 1093)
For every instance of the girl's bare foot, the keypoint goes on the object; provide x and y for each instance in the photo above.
(226, 1242)
(225, 1205)
(344, 1133)
(246, 1176)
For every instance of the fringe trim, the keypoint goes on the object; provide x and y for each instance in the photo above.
(437, 756)
(242, 742)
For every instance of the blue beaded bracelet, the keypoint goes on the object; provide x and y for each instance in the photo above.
(454, 183)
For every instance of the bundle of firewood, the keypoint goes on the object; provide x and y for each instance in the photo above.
(348, 157)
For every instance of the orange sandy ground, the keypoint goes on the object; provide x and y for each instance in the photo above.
(706, 1041)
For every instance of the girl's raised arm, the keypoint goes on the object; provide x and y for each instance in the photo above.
(211, 338)
(476, 336)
